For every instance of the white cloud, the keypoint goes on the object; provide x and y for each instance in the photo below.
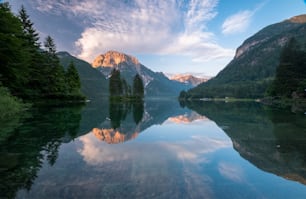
(142, 26)
(240, 21)
(237, 23)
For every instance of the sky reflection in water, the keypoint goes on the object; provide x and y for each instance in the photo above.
(178, 158)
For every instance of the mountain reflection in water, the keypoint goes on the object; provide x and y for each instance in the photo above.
(271, 139)
(154, 149)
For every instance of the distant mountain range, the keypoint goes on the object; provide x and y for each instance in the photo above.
(188, 79)
(156, 83)
(94, 77)
(254, 65)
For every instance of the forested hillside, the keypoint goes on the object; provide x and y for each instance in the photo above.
(253, 68)
(28, 70)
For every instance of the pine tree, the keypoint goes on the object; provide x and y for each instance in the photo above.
(13, 60)
(29, 31)
(115, 84)
(56, 86)
(73, 80)
(31, 46)
(291, 71)
(138, 88)
(49, 45)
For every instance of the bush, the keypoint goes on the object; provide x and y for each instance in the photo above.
(9, 105)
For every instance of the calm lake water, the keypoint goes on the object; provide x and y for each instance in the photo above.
(155, 149)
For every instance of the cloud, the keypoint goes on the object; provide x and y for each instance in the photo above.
(237, 23)
(142, 26)
(240, 21)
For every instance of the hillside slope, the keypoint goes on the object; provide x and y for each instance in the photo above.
(254, 65)
(93, 83)
(156, 84)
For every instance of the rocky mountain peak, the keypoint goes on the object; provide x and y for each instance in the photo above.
(112, 59)
(188, 78)
(298, 19)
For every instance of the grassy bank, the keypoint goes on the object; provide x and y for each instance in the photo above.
(9, 105)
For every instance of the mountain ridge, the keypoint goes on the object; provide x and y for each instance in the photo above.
(93, 84)
(253, 67)
(156, 83)
(188, 79)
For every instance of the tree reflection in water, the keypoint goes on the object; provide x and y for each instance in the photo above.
(26, 147)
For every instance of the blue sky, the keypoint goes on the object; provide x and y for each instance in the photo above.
(172, 36)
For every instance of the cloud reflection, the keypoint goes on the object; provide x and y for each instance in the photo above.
(95, 152)
(194, 150)
(231, 171)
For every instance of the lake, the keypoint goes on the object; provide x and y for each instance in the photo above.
(154, 149)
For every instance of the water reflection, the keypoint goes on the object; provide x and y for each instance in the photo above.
(273, 140)
(91, 152)
(127, 119)
(25, 147)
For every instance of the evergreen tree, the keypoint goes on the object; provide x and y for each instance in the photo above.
(290, 72)
(25, 69)
(138, 88)
(49, 45)
(29, 31)
(13, 60)
(56, 86)
(72, 79)
(115, 83)
(35, 58)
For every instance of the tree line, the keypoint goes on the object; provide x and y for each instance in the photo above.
(28, 70)
(120, 89)
(290, 78)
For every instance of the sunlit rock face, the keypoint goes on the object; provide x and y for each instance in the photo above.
(189, 79)
(112, 136)
(112, 59)
(156, 83)
(298, 19)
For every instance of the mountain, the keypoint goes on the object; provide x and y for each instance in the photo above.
(254, 65)
(93, 83)
(188, 79)
(97, 118)
(273, 140)
(156, 84)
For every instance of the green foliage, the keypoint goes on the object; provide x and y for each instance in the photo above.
(50, 46)
(252, 70)
(115, 84)
(26, 70)
(119, 88)
(93, 83)
(30, 34)
(73, 81)
(138, 88)
(9, 105)
(12, 57)
(291, 72)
